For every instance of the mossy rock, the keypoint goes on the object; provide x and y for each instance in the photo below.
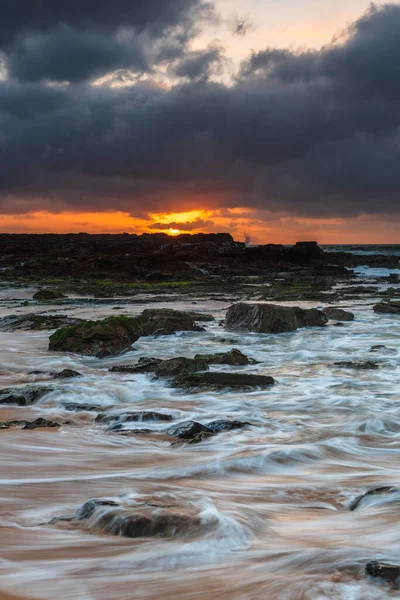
(108, 337)
(234, 357)
(46, 295)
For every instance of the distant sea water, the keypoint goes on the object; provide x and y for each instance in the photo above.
(388, 249)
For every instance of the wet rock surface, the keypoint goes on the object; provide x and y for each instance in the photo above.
(180, 366)
(67, 374)
(219, 381)
(380, 491)
(386, 571)
(39, 423)
(188, 430)
(338, 314)
(140, 416)
(392, 308)
(141, 517)
(144, 365)
(234, 357)
(48, 295)
(23, 396)
(36, 322)
(272, 318)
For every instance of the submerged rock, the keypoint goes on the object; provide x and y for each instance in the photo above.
(219, 381)
(140, 416)
(38, 423)
(142, 517)
(377, 347)
(166, 321)
(108, 337)
(44, 294)
(361, 364)
(66, 374)
(233, 357)
(271, 318)
(180, 366)
(385, 571)
(379, 491)
(76, 407)
(392, 308)
(35, 322)
(188, 430)
(23, 396)
(338, 314)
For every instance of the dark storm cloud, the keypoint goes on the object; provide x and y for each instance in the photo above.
(313, 133)
(201, 64)
(81, 39)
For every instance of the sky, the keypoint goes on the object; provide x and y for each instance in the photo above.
(275, 120)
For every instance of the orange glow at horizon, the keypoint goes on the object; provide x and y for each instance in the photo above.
(258, 226)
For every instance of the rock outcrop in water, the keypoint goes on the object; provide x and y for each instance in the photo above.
(391, 308)
(380, 491)
(180, 366)
(272, 318)
(234, 357)
(142, 517)
(220, 381)
(23, 396)
(386, 571)
(47, 295)
(36, 424)
(338, 314)
(114, 335)
(36, 322)
(135, 417)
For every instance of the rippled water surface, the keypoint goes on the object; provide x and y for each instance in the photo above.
(273, 499)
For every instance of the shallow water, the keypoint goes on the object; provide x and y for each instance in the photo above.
(277, 494)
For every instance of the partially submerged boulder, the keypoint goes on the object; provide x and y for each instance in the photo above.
(141, 517)
(392, 308)
(219, 381)
(108, 337)
(386, 571)
(136, 417)
(23, 396)
(46, 295)
(221, 425)
(67, 374)
(114, 335)
(144, 365)
(338, 314)
(234, 357)
(188, 430)
(180, 366)
(272, 318)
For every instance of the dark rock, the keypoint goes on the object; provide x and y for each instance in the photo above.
(142, 517)
(200, 437)
(385, 571)
(218, 381)
(87, 509)
(361, 364)
(187, 430)
(76, 407)
(234, 357)
(375, 492)
(35, 322)
(271, 318)
(203, 317)
(180, 366)
(221, 425)
(108, 337)
(38, 423)
(392, 308)
(38, 372)
(120, 427)
(66, 374)
(48, 295)
(338, 314)
(165, 319)
(144, 365)
(377, 347)
(23, 396)
(141, 416)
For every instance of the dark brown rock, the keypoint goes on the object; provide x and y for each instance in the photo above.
(233, 357)
(180, 366)
(391, 308)
(188, 429)
(219, 381)
(67, 374)
(361, 364)
(23, 396)
(271, 318)
(140, 416)
(338, 314)
(386, 571)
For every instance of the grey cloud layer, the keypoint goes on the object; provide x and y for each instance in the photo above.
(313, 133)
